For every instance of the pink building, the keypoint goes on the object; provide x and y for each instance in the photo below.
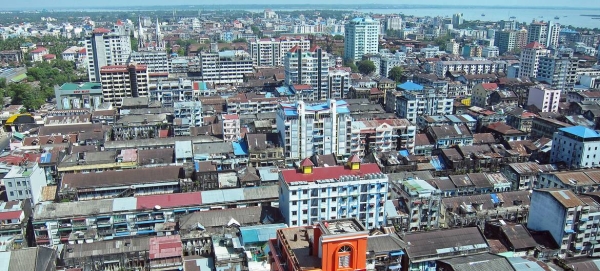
(544, 98)
(231, 127)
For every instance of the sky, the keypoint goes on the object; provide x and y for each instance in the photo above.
(33, 4)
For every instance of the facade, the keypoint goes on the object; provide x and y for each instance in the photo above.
(361, 38)
(506, 41)
(78, 96)
(11, 56)
(156, 61)
(311, 194)
(170, 92)
(546, 99)
(14, 218)
(231, 127)
(387, 135)
(25, 182)
(225, 67)
(339, 83)
(530, 59)
(271, 52)
(393, 23)
(468, 67)
(481, 94)
(568, 218)
(421, 201)
(308, 68)
(429, 102)
(105, 48)
(451, 135)
(187, 115)
(576, 146)
(558, 72)
(119, 82)
(308, 129)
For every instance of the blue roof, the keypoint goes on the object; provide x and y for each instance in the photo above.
(410, 86)
(581, 131)
(260, 233)
(240, 148)
(46, 157)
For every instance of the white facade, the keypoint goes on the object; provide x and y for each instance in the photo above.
(393, 23)
(544, 98)
(469, 67)
(225, 67)
(106, 48)
(187, 114)
(307, 129)
(530, 59)
(577, 147)
(361, 38)
(339, 83)
(490, 52)
(382, 136)
(156, 61)
(271, 52)
(25, 182)
(342, 193)
(427, 102)
(231, 127)
(118, 82)
(558, 72)
(309, 67)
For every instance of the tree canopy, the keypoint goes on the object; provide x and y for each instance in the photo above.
(366, 67)
(350, 63)
(396, 73)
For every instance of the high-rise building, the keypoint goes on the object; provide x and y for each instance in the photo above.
(361, 38)
(508, 25)
(339, 82)
(553, 35)
(156, 61)
(308, 129)
(506, 41)
(187, 115)
(576, 146)
(121, 81)
(559, 72)
(106, 48)
(310, 194)
(546, 99)
(457, 20)
(393, 23)
(453, 47)
(227, 67)
(309, 67)
(521, 40)
(537, 31)
(271, 52)
(530, 59)
(417, 101)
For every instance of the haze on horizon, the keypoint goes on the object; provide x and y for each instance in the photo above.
(41, 4)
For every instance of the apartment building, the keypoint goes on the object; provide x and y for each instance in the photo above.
(339, 82)
(271, 52)
(78, 96)
(468, 67)
(170, 92)
(106, 47)
(569, 218)
(310, 194)
(253, 103)
(156, 61)
(186, 115)
(386, 135)
(308, 68)
(421, 201)
(361, 38)
(25, 182)
(526, 175)
(530, 59)
(559, 72)
(545, 98)
(576, 146)
(431, 102)
(231, 127)
(121, 81)
(309, 129)
(506, 41)
(227, 67)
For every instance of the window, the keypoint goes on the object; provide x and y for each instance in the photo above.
(9, 184)
(294, 212)
(294, 203)
(344, 256)
(12, 194)
(294, 193)
(18, 183)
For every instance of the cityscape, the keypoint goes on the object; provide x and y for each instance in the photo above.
(299, 137)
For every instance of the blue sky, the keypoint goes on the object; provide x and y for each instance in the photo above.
(29, 4)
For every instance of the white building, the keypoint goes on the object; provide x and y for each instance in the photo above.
(307, 129)
(72, 53)
(530, 59)
(339, 82)
(361, 38)
(490, 52)
(122, 81)
(105, 48)
(271, 52)
(558, 72)
(309, 67)
(469, 67)
(231, 127)
(417, 101)
(383, 135)
(311, 194)
(453, 47)
(187, 115)
(393, 23)
(169, 92)
(432, 51)
(25, 182)
(544, 98)
(227, 67)
(421, 201)
(576, 146)
(156, 61)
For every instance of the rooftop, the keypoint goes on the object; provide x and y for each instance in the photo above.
(566, 198)
(121, 178)
(581, 131)
(443, 243)
(327, 173)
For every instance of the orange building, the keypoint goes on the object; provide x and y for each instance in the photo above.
(331, 245)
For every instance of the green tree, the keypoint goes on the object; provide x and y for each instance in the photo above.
(239, 40)
(181, 52)
(134, 44)
(338, 37)
(350, 63)
(2, 82)
(366, 67)
(396, 73)
(26, 95)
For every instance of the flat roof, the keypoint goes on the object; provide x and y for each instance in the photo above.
(121, 177)
(324, 173)
(82, 86)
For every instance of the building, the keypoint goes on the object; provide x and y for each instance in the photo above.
(506, 41)
(569, 219)
(339, 83)
(14, 218)
(170, 92)
(576, 146)
(11, 57)
(310, 194)
(308, 129)
(387, 135)
(308, 68)
(482, 93)
(225, 67)
(544, 98)
(468, 67)
(106, 47)
(38, 54)
(453, 47)
(530, 59)
(421, 201)
(490, 52)
(186, 115)
(361, 38)
(34, 258)
(78, 96)
(419, 101)
(25, 182)
(558, 71)
(450, 135)
(457, 20)
(121, 81)
(231, 127)
(157, 62)
(393, 23)
(271, 52)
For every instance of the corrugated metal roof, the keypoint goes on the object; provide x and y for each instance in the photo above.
(124, 204)
(520, 264)
(218, 196)
(4, 258)
(261, 192)
(260, 233)
(183, 149)
(169, 200)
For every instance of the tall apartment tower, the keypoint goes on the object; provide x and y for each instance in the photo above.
(530, 59)
(537, 31)
(308, 68)
(106, 47)
(457, 20)
(361, 38)
(393, 23)
(560, 72)
(307, 129)
(506, 41)
(271, 52)
(121, 81)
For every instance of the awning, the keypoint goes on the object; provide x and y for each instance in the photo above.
(397, 253)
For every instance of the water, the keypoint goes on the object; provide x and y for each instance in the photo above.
(573, 16)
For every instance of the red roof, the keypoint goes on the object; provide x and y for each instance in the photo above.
(82, 51)
(315, 48)
(165, 247)
(101, 30)
(231, 117)
(354, 159)
(10, 215)
(168, 200)
(39, 50)
(374, 91)
(306, 163)
(119, 22)
(302, 87)
(323, 173)
(294, 49)
(49, 56)
(490, 86)
(534, 45)
(163, 133)
(121, 68)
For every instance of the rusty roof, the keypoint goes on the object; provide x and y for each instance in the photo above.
(565, 197)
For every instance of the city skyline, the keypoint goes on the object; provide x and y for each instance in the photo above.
(29, 4)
